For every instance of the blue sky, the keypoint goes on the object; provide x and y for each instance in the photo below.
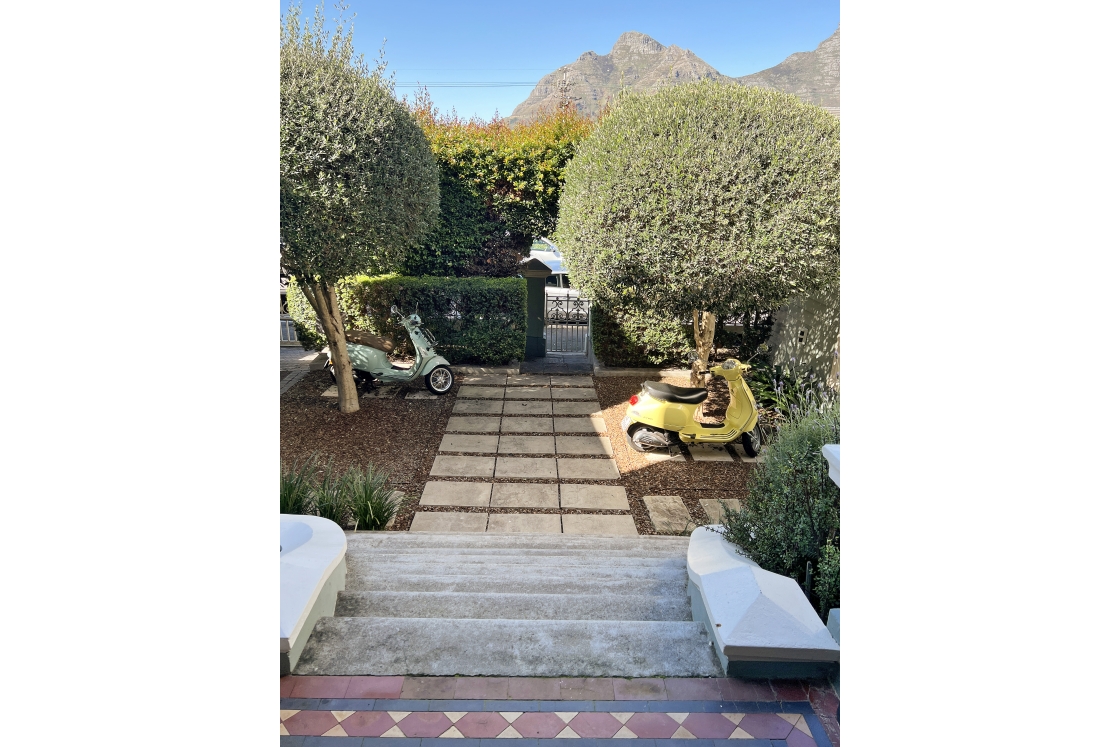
(515, 42)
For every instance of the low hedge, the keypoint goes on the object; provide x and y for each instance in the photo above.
(474, 320)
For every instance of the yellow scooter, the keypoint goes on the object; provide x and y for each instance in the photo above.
(663, 414)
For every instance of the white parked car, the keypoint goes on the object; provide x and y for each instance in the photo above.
(562, 302)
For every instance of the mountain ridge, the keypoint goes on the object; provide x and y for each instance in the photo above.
(639, 62)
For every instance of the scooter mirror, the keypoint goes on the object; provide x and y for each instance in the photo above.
(393, 309)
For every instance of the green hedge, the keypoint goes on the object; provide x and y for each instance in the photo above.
(634, 338)
(474, 320)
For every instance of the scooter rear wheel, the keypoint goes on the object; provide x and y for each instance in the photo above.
(752, 441)
(439, 380)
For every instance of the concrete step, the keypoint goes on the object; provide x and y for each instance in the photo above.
(514, 581)
(516, 648)
(513, 606)
(500, 554)
(478, 562)
(434, 540)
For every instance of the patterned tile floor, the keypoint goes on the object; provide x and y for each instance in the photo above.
(428, 711)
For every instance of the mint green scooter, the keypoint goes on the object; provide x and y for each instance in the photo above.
(370, 362)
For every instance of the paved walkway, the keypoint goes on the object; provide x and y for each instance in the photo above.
(533, 443)
(423, 711)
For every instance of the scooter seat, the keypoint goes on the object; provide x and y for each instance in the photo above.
(680, 394)
(361, 337)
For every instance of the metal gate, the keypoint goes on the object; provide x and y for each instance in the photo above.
(567, 324)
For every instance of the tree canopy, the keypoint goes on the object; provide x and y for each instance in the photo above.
(499, 187)
(705, 197)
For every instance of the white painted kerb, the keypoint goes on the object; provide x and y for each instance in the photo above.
(311, 548)
(832, 454)
(761, 616)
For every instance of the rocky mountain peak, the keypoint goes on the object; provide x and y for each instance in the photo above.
(635, 42)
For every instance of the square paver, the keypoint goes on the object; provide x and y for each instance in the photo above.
(523, 495)
(600, 497)
(446, 521)
(527, 392)
(477, 407)
(709, 453)
(463, 466)
(587, 469)
(579, 425)
(455, 494)
(668, 513)
(738, 448)
(422, 394)
(712, 509)
(473, 424)
(469, 444)
(574, 393)
(583, 381)
(332, 391)
(470, 391)
(527, 407)
(384, 392)
(524, 523)
(528, 380)
(526, 468)
(577, 408)
(590, 445)
(610, 525)
(672, 454)
(484, 379)
(526, 445)
(527, 425)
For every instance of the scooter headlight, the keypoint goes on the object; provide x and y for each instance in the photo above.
(729, 364)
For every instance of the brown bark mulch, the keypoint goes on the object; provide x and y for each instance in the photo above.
(402, 437)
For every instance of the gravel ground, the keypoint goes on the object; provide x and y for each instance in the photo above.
(402, 437)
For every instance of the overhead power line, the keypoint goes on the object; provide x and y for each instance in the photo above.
(469, 84)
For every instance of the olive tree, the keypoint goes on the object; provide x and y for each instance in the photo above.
(704, 199)
(358, 183)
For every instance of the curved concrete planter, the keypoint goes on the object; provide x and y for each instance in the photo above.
(312, 572)
(760, 622)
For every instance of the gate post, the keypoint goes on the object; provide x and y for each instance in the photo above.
(535, 273)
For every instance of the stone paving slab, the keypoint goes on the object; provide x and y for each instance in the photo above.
(672, 454)
(331, 391)
(598, 497)
(526, 445)
(738, 448)
(470, 391)
(475, 424)
(484, 379)
(456, 494)
(523, 495)
(463, 466)
(422, 394)
(477, 407)
(587, 469)
(574, 393)
(470, 444)
(668, 513)
(386, 392)
(584, 381)
(712, 509)
(527, 407)
(528, 380)
(579, 425)
(527, 392)
(612, 526)
(527, 425)
(448, 522)
(590, 445)
(526, 468)
(709, 453)
(524, 523)
(577, 408)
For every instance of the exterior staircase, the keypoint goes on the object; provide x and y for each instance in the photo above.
(536, 605)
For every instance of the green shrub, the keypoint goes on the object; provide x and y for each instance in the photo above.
(629, 337)
(792, 513)
(474, 320)
(296, 486)
(372, 497)
(332, 497)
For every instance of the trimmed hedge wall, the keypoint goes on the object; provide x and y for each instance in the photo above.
(633, 338)
(474, 320)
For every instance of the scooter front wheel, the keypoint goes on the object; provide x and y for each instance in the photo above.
(439, 380)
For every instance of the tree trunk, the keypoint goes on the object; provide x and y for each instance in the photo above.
(324, 299)
(704, 330)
